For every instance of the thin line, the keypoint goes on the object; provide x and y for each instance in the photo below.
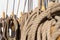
(24, 5)
(18, 6)
(7, 7)
(13, 5)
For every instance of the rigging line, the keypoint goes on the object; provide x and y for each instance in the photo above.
(7, 7)
(40, 4)
(30, 5)
(13, 5)
(45, 4)
(18, 6)
(24, 5)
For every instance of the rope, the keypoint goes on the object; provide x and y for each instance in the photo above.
(24, 6)
(44, 31)
(30, 24)
(26, 26)
(4, 28)
(48, 29)
(39, 32)
(18, 6)
(38, 20)
(39, 4)
(55, 35)
(7, 7)
(30, 27)
(46, 3)
(13, 5)
(29, 20)
(39, 27)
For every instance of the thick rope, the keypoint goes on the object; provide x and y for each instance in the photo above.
(40, 17)
(29, 20)
(27, 26)
(39, 32)
(38, 28)
(30, 23)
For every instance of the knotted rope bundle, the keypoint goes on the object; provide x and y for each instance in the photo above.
(40, 27)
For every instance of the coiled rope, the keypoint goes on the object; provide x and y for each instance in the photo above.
(33, 31)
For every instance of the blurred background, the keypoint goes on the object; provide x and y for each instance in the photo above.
(3, 4)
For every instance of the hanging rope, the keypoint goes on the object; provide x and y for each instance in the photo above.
(40, 4)
(30, 5)
(13, 5)
(24, 6)
(18, 7)
(46, 3)
(7, 7)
